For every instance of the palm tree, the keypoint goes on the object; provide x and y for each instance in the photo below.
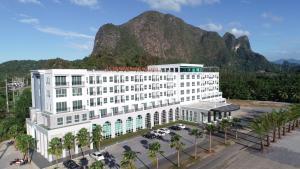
(266, 124)
(273, 116)
(55, 148)
(128, 160)
(280, 122)
(69, 142)
(178, 145)
(236, 125)
(25, 143)
(83, 138)
(154, 150)
(97, 165)
(210, 128)
(97, 136)
(197, 133)
(259, 129)
(225, 124)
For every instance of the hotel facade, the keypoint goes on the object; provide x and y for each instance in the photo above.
(120, 100)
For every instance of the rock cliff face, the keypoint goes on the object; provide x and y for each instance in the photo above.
(155, 38)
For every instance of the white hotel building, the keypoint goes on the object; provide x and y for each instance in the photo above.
(66, 100)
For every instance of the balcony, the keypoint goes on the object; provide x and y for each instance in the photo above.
(61, 84)
(106, 115)
(94, 117)
(77, 83)
(63, 110)
(118, 113)
(79, 108)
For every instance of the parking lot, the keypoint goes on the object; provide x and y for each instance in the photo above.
(140, 145)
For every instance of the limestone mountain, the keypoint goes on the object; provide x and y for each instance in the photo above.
(155, 38)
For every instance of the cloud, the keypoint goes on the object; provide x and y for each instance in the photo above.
(82, 46)
(31, 1)
(93, 29)
(176, 5)
(28, 20)
(270, 16)
(239, 32)
(212, 27)
(87, 3)
(60, 32)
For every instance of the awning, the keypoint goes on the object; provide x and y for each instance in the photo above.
(227, 108)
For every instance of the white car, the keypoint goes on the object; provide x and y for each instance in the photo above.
(158, 133)
(182, 126)
(97, 155)
(165, 130)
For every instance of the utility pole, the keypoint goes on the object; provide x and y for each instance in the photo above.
(7, 106)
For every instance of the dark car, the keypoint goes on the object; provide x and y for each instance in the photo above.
(149, 135)
(175, 128)
(70, 164)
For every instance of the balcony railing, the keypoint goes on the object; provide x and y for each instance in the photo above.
(79, 108)
(95, 117)
(77, 83)
(62, 84)
(106, 115)
(63, 110)
(118, 113)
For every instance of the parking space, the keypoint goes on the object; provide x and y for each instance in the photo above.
(140, 145)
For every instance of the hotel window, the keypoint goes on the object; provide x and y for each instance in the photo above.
(182, 99)
(193, 83)
(111, 79)
(91, 81)
(176, 69)
(165, 77)
(77, 105)
(198, 76)
(160, 78)
(132, 88)
(104, 79)
(132, 97)
(187, 76)
(61, 106)
(69, 119)
(181, 76)
(193, 97)
(193, 76)
(77, 91)
(127, 98)
(132, 78)
(111, 89)
(172, 69)
(76, 80)
(145, 78)
(98, 101)
(145, 87)
(127, 78)
(182, 84)
(84, 117)
(60, 81)
(193, 90)
(187, 98)
(98, 79)
(149, 78)
(76, 118)
(61, 92)
(60, 121)
(105, 100)
(111, 99)
(182, 91)
(104, 89)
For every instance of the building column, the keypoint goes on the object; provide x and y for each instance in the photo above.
(91, 144)
(229, 113)
(64, 153)
(134, 123)
(152, 119)
(45, 146)
(220, 115)
(76, 145)
(112, 127)
(167, 116)
(215, 116)
(208, 116)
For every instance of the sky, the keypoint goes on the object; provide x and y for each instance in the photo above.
(45, 29)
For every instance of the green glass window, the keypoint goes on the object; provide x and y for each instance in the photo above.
(129, 125)
(118, 127)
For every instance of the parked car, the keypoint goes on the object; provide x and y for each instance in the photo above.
(158, 133)
(175, 128)
(98, 155)
(70, 164)
(182, 126)
(149, 135)
(165, 130)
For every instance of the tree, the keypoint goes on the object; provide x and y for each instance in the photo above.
(225, 124)
(83, 137)
(22, 105)
(154, 150)
(267, 125)
(25, 143)
(210, 128)
(69, 142)
(97, 165)
(178, 145)
(128, 160)
(14, 130)
(97, 136)
(197, 133)
(236, 125)
(55, 148)
(259, 129)
(273, 117)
